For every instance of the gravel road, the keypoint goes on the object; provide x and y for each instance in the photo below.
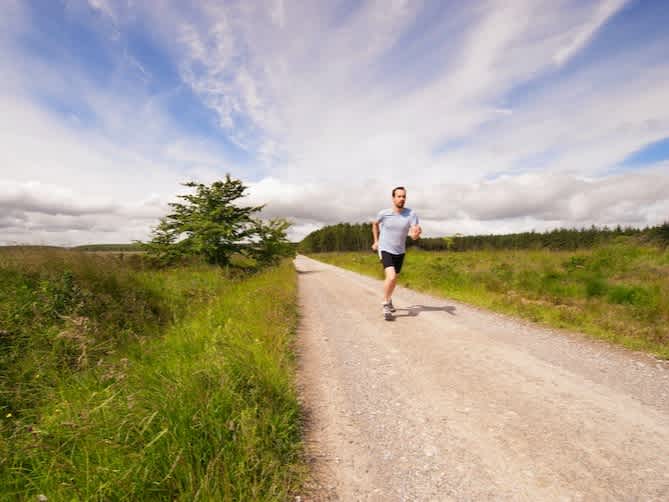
(449, 402)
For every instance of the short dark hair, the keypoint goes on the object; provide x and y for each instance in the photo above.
(398, 188)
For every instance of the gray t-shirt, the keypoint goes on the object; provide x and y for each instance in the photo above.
(394, 229)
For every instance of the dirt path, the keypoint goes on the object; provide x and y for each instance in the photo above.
(451, 403)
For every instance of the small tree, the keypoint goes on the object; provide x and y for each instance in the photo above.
(270, 243)
(209, 224)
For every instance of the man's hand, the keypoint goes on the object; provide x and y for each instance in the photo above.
(375, 246)
(415, 231)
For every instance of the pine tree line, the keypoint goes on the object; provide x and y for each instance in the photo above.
(358, 237)
(340, 237)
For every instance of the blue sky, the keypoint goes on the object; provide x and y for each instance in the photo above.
(498, 116)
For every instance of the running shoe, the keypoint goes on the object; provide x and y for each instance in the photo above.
(387, 313)
(392, 307)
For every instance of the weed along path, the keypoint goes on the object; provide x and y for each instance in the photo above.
(449, 402)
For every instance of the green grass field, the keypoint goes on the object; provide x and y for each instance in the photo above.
(124, 383)
(618, 292)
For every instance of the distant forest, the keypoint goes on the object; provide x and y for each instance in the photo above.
(358, 237)
(110, 247)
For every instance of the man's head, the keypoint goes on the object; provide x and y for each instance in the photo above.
(399, 197)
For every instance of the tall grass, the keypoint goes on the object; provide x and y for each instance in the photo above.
(618, 292)
(120, 383)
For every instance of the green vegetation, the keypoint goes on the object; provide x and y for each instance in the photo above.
(618, 292)
(340, 237)
(358, 237)
(119, 382)
(210, 225)
(118, 248)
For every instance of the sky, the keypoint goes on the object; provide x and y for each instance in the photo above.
(497, 116)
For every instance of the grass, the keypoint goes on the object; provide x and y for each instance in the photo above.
(618, 292)
(120, 383)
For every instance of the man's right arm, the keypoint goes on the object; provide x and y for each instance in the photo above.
(375, 234)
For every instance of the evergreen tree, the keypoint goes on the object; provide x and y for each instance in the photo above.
(209, 224)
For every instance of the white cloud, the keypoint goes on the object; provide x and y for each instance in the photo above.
(63, 183)
(278, 13)
(331, 104)
(55, 200)
(507, 204)
(580, 35)
(477, 108)
(103, 6)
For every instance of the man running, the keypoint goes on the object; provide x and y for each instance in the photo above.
(390, 230)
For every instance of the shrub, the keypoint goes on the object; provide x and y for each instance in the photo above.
(595, 286)
(633, 295)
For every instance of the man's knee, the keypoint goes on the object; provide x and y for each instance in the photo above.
(391, 275)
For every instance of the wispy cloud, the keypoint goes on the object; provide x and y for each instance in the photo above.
(333, 110)
(497, 115)
(580, 35)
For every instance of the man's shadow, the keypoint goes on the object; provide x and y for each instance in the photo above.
(307, 271)
(414, 310)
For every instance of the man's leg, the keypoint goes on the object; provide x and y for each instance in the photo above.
(388, 287)
(390, 267)
(389, 283)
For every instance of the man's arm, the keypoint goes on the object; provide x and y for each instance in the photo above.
(375, 234)
(414, 229)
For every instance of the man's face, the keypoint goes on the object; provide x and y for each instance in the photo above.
(399, 198)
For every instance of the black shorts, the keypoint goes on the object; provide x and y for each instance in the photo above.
(392, 260)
